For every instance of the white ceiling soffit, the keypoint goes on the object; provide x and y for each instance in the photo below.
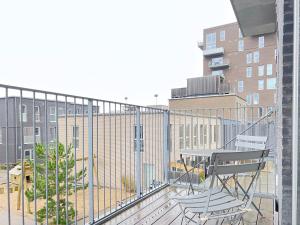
(255, 17)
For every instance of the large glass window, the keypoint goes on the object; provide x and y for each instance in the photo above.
(187, 136)
(37, 113)
(249, 99)
(261, 70)
(271, 83)
(195, 136)
(261, 41)
(222, 35)
(261, 84)
(249, 71)
(1, 136)
(269, 69)
(181, 136)
(241, 45)
(211, 40)
(249, 58)
(201, 134)
(240, 86)
(255, 98)
(52, 117)
(256, 57)
(23, 114)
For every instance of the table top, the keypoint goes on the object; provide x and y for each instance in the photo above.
(201, 152)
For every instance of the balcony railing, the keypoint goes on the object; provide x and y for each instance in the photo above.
(219, 64)
(100, 157)
(213, 52)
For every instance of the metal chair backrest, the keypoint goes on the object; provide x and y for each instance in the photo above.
(231, 164)
(251, 142)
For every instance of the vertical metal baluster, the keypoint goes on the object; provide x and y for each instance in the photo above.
(6, 154)
(138, 153)
(67, 160)
(174, 135)
(22, 157)
(121, 159)
(75, 157)
(115, 158)
(56, 165)
(152, 144)
(90, 161)
(34, 162)
(83, 158)
(130, 152)
(109, 106)
(125, 142)
(97, 167)
(47, 153)
(104, 159)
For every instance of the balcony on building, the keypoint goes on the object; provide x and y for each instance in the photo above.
(218, 63)
(213, 52)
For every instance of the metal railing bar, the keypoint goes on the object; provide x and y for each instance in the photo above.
(69, 95)
(7, 157)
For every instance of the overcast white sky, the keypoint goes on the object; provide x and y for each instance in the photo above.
(106, 49)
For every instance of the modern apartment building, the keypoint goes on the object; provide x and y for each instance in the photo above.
(248, 64)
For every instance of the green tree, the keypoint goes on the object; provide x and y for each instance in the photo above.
(66, 164)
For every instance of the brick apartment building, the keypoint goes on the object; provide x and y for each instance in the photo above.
(248, 64)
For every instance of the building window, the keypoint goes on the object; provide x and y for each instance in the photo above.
(222, 35)
(269, 69)
(201, 134)
(275, 54)
(216, 133)
(75, 135)
(28, 154)
(217, 72)
(141, 137)
(249, 58)
(249, 71)
(255, 98)
(241, 45)
(256, 57)
(205, 134)
(271, 83)
(249, 99)
(28, 135)
(181, 138)
(217, 61)
(1, 142)
(23, 114)
(240, 86)
(260, 111)
(261, 70)
(37, 114)
(187, 136)
(211, 41)
(261, 84)
(195, 136)
(52, 134)
(52, 113)
(240, 33)
(261, 41)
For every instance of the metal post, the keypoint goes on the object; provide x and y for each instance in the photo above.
(166, 151)
(90, 160)
(138, 153)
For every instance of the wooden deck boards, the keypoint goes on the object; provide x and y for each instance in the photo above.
(159, 209)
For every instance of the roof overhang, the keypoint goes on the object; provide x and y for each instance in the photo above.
(255, 17)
